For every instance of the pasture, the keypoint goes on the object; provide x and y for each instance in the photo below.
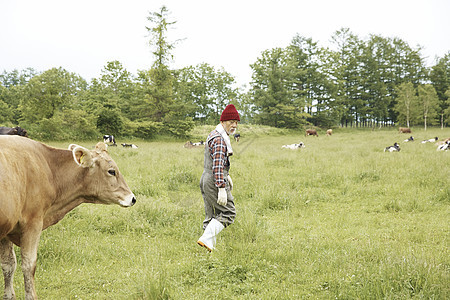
(339, 219)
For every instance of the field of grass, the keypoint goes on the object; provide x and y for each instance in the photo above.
(339, 219)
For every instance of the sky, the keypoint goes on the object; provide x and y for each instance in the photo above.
(82, 36)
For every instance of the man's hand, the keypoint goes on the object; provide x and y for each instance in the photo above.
(222, 197)
(230, 182)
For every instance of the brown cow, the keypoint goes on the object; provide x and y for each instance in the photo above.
(404, 130)
(38, 186)
(311, 132)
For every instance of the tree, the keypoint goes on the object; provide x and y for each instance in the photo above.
(114, 89)
(375, 89)
(204, 91)
(12, 92)
(407, 103)
(49, 92)
(160, 95)
(429, 104)
(446, 116)
(271, 92)
(6, 113)
(347, 75)
(440, 78)
(310, 89)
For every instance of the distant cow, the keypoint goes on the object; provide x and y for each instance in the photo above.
(404, 130)
(394, 148)
(13, 131)
(311, 132)
(39, 185)
(237, 137)
(410, 139)
(294, 146)
(430, 140)
(109, 139)
(190, 144)
(329, 132)
(444, 146)
(129, 146)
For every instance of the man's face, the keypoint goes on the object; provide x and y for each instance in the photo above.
(230, 126)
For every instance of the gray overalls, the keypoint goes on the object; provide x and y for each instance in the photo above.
(223, 214)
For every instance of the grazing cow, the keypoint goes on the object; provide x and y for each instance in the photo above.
(311, 132)
(444, 146)
(13, 131)
(190, 144)
(404, 130)
(129, 146)
(294, 146)
(329, 132)
(39, 185)
(394, 148)
(410, 139)
(237, 136)
(109, 139)
(430, 140)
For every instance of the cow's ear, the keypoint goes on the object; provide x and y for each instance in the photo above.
(72, 146)
(82, 157)
(101, 147)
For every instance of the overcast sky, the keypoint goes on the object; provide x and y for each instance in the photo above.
(83, 35)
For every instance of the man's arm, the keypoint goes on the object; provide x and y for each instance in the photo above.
(218, 150)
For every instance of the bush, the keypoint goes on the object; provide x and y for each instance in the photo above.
(109, 121)
(64, 125)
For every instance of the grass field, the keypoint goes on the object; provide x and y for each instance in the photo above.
(339, 219)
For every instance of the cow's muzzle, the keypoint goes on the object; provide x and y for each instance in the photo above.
(129, 201)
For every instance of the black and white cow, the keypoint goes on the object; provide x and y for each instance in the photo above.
(13, 131)
(394, 148)
(445, 146)
(107, 139)
(294, 146)
(237, 137)
(430, 140)
(410, 139)
(129, 146)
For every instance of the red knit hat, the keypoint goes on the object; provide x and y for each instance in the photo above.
(230, 113)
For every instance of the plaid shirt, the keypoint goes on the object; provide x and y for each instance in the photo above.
(218, 152)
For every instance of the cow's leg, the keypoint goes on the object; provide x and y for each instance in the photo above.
(28, 251)
(9, 263)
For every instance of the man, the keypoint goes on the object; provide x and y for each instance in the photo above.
(215, 183)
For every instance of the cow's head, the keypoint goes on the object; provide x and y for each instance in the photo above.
(105, 182)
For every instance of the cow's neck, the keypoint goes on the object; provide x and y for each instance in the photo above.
(68, 183)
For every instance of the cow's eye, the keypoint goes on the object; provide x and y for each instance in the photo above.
(112, 172)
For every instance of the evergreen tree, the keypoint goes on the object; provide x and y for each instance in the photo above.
(440, 78)
(308, 80)
(347, 75)
(159, 92)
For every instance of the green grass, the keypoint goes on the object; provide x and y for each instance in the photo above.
(339, 219)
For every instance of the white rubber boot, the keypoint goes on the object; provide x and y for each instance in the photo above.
(208, 239)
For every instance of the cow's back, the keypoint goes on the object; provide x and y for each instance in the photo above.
(25, 180)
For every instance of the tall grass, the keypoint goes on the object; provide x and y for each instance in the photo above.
(339, 219)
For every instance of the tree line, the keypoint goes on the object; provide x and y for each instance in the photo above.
(359, 83)
(374, 82)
